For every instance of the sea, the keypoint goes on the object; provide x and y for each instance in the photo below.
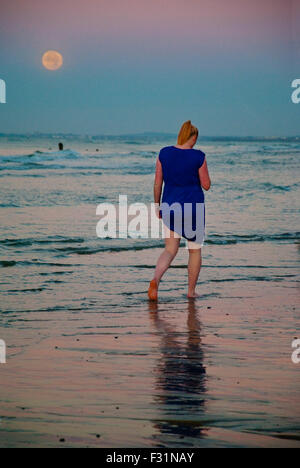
(81, 337)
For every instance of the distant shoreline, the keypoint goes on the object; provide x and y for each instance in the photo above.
(141, 136)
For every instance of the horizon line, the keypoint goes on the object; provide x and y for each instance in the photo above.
(145, 133)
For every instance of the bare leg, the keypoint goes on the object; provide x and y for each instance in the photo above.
(166, 258)
(194, 267)
(172, 241)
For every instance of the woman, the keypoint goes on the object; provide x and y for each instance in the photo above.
(184, 173)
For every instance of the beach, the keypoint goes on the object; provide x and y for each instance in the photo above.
(90, 361)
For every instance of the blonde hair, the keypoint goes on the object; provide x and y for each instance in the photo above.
(187, 130)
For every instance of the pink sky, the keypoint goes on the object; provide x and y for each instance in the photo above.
(173, 24)
(129, 61)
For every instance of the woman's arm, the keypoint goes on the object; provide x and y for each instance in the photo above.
(158, 182)
(204, 176)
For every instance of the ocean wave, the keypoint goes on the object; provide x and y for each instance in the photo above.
(7, 263)
(280, 188)
(89, 164)
(233, 239)
(36, 263)
(41, 156)
(48, 240)
(63, 247)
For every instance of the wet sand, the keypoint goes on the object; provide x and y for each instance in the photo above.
(109, 369)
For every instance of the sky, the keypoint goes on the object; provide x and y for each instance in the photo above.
(148, 65)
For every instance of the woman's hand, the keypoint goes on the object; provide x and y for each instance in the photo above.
(157, 210)
(204, 176)
(157, 189)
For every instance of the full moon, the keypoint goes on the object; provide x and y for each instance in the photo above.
(52, 60)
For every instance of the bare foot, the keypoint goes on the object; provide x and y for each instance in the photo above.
(153, 290)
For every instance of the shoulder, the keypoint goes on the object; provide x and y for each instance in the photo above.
(164, 151)
(200, 155)
(166, 148)
(200, 152)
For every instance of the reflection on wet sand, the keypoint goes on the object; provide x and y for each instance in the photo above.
(180, 376)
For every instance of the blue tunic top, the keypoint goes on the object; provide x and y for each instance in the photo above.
(182, 187)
